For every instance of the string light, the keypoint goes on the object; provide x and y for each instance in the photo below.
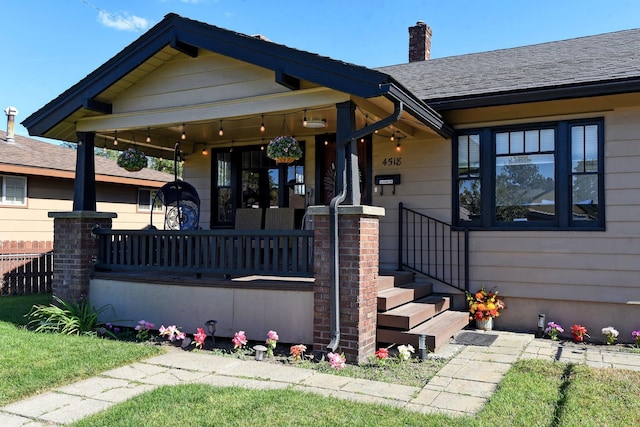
(104, 146)
(262, 145)
(304, 119)
(393, 137)
(220, 131)
(184, 134)
(204, 150)
(148, 135)
(262, 128)
(398, 147)
(115, 138)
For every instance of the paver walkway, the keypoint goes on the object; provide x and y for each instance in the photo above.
(461, 387)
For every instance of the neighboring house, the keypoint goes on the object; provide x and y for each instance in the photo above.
(37, 177)
(535, 150)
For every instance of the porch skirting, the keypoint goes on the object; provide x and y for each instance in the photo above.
(253, 304)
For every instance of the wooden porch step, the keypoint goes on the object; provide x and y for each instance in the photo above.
(396, 296)
(411, 314)
(437, 330)
(389, 278)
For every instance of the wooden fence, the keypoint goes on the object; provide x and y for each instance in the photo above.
(26, 267)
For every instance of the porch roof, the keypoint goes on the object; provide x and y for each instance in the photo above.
(174, 34)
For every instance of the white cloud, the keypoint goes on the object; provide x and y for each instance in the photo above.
(122, 21)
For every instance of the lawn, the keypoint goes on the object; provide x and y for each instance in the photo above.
(534, 393)
(31, 363)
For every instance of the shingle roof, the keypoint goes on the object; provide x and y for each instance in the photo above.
(42, 155)
(569, 63)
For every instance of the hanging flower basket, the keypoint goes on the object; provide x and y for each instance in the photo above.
(132, 160)
(284, 149)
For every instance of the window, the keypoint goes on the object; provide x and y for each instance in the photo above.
(546, 176)
(146, 198)
(13, 190)
(247, 178)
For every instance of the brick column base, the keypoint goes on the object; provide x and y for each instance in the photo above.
(75, 250)
(358, 230)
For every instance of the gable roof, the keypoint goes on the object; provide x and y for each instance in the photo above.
(187, 36)
(586, 66)
(29, 156)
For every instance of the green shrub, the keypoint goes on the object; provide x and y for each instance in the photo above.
(70, 318)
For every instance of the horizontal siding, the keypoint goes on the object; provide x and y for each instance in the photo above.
(190, 81)
(582, 266)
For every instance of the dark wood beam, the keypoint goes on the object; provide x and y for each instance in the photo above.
(287, 81)
(183, 47)
(84, 187)
(98, 106)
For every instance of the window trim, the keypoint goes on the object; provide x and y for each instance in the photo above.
(3, 202)
(152, 192)
(563, 178)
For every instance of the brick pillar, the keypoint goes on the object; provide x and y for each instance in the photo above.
(358, 229)
(75, 249)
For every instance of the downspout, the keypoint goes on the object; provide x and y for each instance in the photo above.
(333, 225)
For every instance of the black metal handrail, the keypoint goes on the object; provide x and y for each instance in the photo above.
(273, 252)
(433, 248)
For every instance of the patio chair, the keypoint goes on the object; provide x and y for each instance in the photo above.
(248, 219)
(279, 219)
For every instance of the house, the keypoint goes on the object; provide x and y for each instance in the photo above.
(514, 169)
(37, 177)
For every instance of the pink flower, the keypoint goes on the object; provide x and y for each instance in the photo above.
(272, 335)
(337, 361)
(200, 337)
(172, 332)
(239, 339)
(382, 353)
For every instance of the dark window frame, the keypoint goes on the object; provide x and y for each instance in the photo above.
(236, 180)
(563, 178)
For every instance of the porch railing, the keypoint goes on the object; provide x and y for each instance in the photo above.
(433, 248)
(266, 252)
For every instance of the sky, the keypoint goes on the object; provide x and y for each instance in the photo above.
(49, 45)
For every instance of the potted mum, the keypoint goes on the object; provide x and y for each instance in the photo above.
(132, 160)
(284, 149)
(483, 307)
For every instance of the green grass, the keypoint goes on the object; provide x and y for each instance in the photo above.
(533, 393)
(33, 362)
(12, 308)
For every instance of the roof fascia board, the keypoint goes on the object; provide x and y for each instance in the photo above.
(324, 71)
(421, 111)
(54, 173)
(537, 95)
(100, 79)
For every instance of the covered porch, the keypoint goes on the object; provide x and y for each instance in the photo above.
(213, 99)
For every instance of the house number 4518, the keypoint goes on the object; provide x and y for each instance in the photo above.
(392, 161)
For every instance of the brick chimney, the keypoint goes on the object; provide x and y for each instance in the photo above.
(11, 113)
(420, 42)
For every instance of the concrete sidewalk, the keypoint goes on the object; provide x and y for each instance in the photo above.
(461, 387)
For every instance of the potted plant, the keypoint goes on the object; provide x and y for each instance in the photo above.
(483, 307)
(132, 160)
(284, 149)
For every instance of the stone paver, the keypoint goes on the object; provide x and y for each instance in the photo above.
(461, 387)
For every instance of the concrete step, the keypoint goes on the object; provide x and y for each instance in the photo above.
(412, 314)
(398, 295)
(437, 330)
(389, 278)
